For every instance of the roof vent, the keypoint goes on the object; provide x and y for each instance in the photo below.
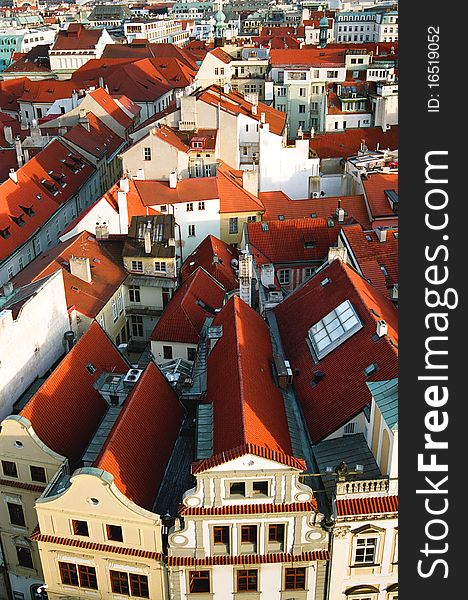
(133, 375)
(381, 234)
(325, 281)
(318, 376)
(382, 328)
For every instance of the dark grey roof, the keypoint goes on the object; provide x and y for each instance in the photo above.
(117, 12)
(353, 450)
(385, 393)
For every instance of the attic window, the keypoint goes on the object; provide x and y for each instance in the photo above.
(368, 238)
(280, 217)
(325, 281)
(38, 196)
(28, 210)
(313, 215)
(384, 270)
(5, 233)
(308, 243)
(372, 368)
(335, 327)
(19, 220)
(265, 227)
(91, 368)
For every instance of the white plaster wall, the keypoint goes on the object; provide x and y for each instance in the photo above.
(41, 324)
(101, 212)
(179, 350)
(352, 121)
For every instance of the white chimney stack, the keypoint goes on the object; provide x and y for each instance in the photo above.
(147, 238)
(262, 117)
(382, 328)
(124, 185)
(8, 134)
(80, 267)
(381, 234)
(140, 174)
(173, 180)
(13, 176)
(123, 211)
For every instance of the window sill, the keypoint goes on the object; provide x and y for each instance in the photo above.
(365, 566)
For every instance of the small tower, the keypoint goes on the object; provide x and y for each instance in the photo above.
(323, 31)
(219, 26)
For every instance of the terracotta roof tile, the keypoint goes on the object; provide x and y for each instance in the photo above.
(95, 547)
(342, 392)
(346, 144)
(294, 240)
(222, 55)
(31, 193)
(66, 410)
(111, 106)
(249, 509)
(47, 90)
(374, 186)
(140, 444)
(76, 37)
(99, 141)
(220, 268)
(88, 298)
(232, 196)
(366, 506)
(187, 190)
(278, 203)
(308, 57)
(247, 559)
(140, 81)
(183, 318)
(23, 486)
(255, 416)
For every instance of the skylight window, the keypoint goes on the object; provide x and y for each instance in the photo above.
(336, 327)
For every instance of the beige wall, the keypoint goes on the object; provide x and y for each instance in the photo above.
(235, 238)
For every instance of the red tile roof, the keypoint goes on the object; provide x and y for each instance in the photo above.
(88, 298)
(187, 190)
(221, 55)
(221, 269)
(308, 57)
(371, 254)
(235, 103)
(37, 536)
(10, 91)
(140, 444)
(30, 193)
(247, 559)
(99, 67)
(140, 81)
(47, 91)
(232, 196)
(76, 37)
(367, 506)
(34, 61)
(278, 203)
(378, 204)
(346, 144)
(168, 135)
(66, 410)
(135, 204)
(239, 368)
(249, 509)
(342, 392)
(286, 241)
(111, 106)
(182, 319)
(8, 161)
(99, 141)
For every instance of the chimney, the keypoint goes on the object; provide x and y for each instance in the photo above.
(26, 154)
(140, 174)
(340, 213)
(83, 120)
(337, 252)
(74, 98)
(382, 328)
(19, 153)
(173, 180)
(226, 88)
(80, 267)
(35, 130)
(262, 117)
(147, 238)
(123, 211)
(13, 176)
(381, 234)
(101, 82)
(124, 185)
(102, 231)
(254, 109)
(8, 134)
(215, 259)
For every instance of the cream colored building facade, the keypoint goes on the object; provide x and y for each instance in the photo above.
(95, 543)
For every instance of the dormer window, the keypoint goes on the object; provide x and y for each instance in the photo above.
(335, 327)
(237, 489)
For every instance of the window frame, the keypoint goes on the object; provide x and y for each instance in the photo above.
(293, 585)
(77, 524)
(42, 470)
(19, 507)
(7, 465)
(192, 579)
(249, 579)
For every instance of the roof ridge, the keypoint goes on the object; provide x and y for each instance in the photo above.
(235, 300)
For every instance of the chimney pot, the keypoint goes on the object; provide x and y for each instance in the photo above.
(13, 175)
(80, 267)
(382, 328)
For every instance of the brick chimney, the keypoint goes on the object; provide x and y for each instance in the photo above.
(80, 267)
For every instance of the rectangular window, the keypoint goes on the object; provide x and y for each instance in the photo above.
(24, 557)
(260, 488)
(9, 468)
(134, 293)
(199, 582)
(349, 428)
(159, 267)
(247, 580)
(115, 315)
(251, 219)
(87, 577)
(294, 578)
(191, 354)
(167, 351)
(221, 535)
(16, 514)
(191, 230)
(137, 265)
(302, 91)
(237, 489)
(163, 208)
(234, 225)
(20, 263)
(119, 582)
(38, 474)
(365, 550)
(80, 528)
(114, 533)
(68, 574)
(284, 276)
(139, 585)
(302, 108)
(332, 74)
(246, 128)
(276, 533)
(308, 272)
(147, 153)
(201, 206)
(137, 326)
(248, 534)
(189, 206)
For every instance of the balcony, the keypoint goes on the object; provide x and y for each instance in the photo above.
(375, 487)
(143, 309)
